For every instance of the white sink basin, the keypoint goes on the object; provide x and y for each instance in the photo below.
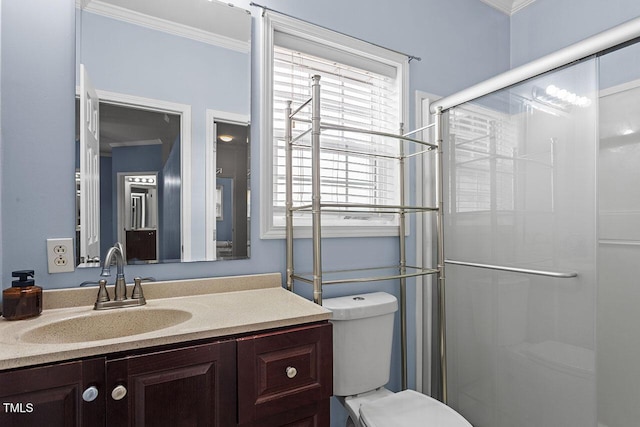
(104, 325)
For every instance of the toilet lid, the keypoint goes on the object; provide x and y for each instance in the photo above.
(409, 409)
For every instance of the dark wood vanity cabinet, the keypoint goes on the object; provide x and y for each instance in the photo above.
(281, 378)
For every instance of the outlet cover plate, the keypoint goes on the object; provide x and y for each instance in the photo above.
(60, 258)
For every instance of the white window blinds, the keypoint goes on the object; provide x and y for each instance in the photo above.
(483, 149)
(356, 92)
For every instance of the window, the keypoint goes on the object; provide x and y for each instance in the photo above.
(483, 144)
(362, 86)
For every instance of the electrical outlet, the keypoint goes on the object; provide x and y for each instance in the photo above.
(60, 255)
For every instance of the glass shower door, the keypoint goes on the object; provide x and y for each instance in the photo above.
(618, 315)
(521, 193)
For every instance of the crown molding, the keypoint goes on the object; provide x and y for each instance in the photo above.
(520, 4)
(159, 24)
(508, 7)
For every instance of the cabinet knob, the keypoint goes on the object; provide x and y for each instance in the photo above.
(90, 394)
(291, 371)
(119, 392)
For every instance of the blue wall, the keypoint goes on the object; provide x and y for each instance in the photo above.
(38, 80)
(108, 206)
(1, 133)
(38, 107)
(548, 25)
(461, 42)
(169, 187)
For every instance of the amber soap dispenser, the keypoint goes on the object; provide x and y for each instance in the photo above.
(23, 299)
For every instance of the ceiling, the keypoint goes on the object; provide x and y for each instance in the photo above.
(125, 127)
(508, 6)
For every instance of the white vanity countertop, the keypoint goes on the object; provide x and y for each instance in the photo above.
(218, 307)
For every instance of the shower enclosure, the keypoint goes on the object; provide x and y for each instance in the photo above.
(542, 240)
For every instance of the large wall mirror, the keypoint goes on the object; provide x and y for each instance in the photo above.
(162, 147)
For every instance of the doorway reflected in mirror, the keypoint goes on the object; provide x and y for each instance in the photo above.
(232, 186)
(139, 182)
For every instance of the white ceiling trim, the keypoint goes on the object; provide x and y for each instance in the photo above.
(508, 6)
(177, 29)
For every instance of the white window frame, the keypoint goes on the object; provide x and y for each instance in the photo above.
(271, 23)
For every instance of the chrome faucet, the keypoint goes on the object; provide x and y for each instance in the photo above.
(120, 291)
(120, 288)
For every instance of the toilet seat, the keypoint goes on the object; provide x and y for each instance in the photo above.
(409, 409)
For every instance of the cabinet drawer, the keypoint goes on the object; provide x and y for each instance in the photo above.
(283, 370)
(315, 415)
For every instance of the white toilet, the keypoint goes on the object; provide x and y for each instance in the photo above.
(362, 338)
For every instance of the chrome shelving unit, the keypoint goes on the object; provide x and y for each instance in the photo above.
(401, 271)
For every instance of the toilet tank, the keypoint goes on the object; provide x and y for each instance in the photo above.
(362, 338)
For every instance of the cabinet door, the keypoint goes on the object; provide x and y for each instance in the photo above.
(193, 386)
(285, 378)
(52, 395)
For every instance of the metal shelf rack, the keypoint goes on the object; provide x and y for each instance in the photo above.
(401, 272)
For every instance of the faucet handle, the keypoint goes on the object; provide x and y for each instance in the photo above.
(137, 290)
(103, 295)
